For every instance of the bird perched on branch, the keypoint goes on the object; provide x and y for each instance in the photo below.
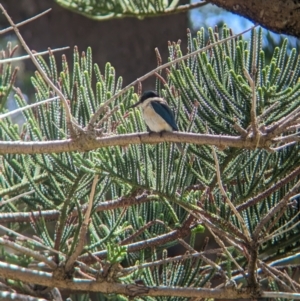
(157, 114)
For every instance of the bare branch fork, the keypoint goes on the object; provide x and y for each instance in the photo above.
(83, 229)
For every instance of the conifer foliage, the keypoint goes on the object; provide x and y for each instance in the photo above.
(104, 219)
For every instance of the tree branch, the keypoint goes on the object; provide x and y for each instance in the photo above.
(83, 229)
(15, 272)
(281, 16)
(54, 214)
(87, 143)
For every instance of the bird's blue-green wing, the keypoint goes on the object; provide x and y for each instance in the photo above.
(165, 112)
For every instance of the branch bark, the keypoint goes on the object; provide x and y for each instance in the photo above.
(42, 278)
(12, 271)
(281, 16)
(86, 143)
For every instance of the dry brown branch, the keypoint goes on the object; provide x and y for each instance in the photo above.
(15, 198)
(83, 229)
(268, 272)
(222, 245)
(140, 231)
(29, 252)
(172, 259)
(159, 240)
(46, 279)
(278, 274)
(86, 144)
(54, 214)
(283, 229)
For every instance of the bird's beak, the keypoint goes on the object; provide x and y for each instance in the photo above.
(135, 105)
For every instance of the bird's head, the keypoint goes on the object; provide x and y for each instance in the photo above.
(146, 95)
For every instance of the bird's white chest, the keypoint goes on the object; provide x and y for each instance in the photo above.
(153, 120)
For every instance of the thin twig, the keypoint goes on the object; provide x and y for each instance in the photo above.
(106, 116)
(159, 240)
(25, 22)
(281, 205)
(294, 127)
(24, 57)
(268, 271)
(172, 259)
(222, 245)
(261, 196)
(292, 282)
(15, 198)
(54, 214)
(280, 126)
(216, 225)
(38, 244)
(2, 116)
(28, 252)
(278, 274)
(26, 238)
(140, 231)
(289, 138)
(267, 111)
(240, 130)
(253, 247)
(279, 231)
(279, 148)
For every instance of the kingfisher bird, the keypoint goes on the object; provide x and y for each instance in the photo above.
(157, 114)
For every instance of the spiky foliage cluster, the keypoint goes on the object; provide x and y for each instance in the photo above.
(103, 10)
(209, 93)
